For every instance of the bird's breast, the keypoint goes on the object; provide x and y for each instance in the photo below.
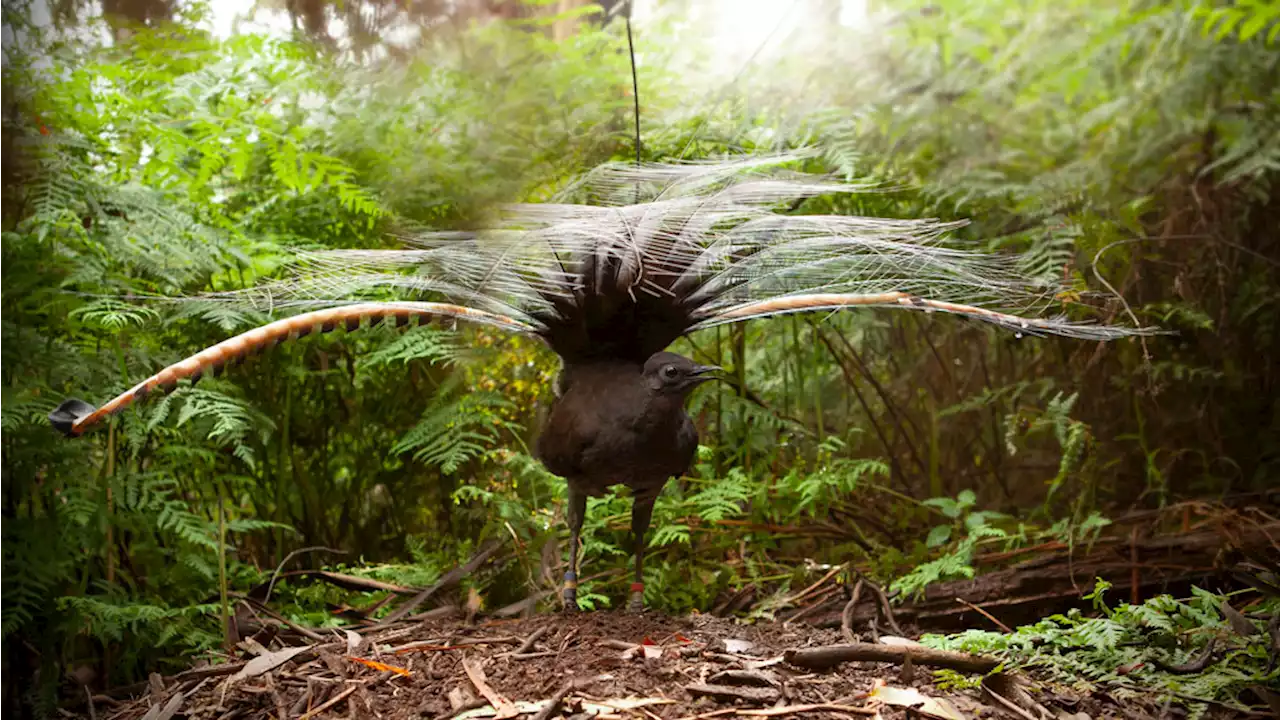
(608, 428)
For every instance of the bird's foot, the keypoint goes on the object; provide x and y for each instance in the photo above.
(570, 593)
(636, 604)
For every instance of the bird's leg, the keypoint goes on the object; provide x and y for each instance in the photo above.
(641, 514)
(577, 514)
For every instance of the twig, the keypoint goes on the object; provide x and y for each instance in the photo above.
(259, 607)
(886, 608)
(568, 638)
(846, 617)
(450, 578)
(553, 705)
(796, 598)
(749, 694)
(281, 711)
(527, 645)
(822, 658)
(745, 677)
(1008, 704)
(619, 644)
(817, 605)
(328, 703)
(984, 614)
(532, 655)
(271, 585)
(93, 712)
(1201, 662)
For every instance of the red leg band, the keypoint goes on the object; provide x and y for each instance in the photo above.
(637, 587)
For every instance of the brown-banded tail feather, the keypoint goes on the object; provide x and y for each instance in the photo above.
(73, 417)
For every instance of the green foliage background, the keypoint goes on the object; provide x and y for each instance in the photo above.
(1128, 147)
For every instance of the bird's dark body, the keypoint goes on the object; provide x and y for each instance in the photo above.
(620, 422)
(610, 427)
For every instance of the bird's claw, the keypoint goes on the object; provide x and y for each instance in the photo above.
(635, 605)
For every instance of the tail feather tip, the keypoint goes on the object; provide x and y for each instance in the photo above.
(65, 416)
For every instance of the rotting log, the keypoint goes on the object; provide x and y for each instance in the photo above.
(1056, 579)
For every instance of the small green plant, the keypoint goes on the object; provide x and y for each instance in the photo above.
(968, 527)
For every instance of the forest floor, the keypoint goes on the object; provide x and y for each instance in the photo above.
(602, 665)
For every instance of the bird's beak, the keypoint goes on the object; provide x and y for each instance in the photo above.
(703, 373)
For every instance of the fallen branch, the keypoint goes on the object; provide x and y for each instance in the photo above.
(823, 658)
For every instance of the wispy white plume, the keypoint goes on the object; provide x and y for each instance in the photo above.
(697, 244)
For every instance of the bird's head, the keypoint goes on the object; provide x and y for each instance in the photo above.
(670, 374)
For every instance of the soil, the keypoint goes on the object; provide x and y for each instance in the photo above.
(612, 665)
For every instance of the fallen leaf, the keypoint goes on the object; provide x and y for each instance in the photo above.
(738, 646)
(380, 667)
(651, 652)
(353, 641)
(918, 701)
(169, 709)
(504, 707)
(898, 641)
(1238, 622)
(270, 661)
(761, 664)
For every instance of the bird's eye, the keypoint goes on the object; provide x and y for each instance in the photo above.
(670, 371)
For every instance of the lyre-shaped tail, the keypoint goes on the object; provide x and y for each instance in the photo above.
(810, 302)
(73, 417)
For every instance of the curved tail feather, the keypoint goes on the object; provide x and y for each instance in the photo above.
(837, 301)
(73, 417)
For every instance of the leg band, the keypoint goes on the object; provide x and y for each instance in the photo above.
(637, 587)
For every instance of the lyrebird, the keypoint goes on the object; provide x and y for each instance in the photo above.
(649, 254)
